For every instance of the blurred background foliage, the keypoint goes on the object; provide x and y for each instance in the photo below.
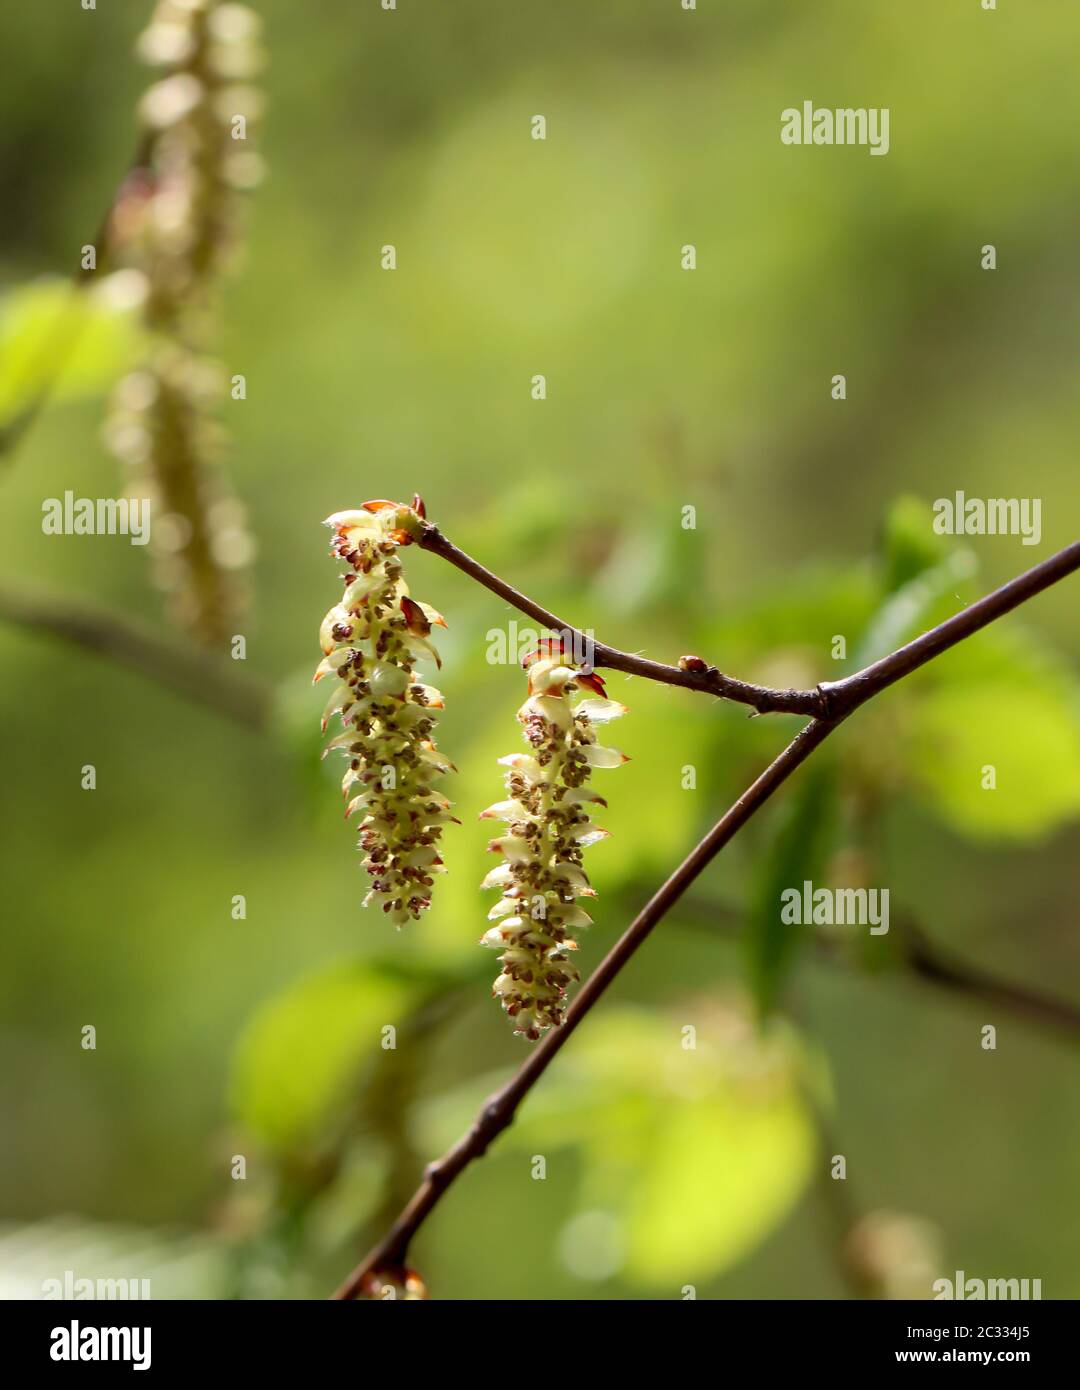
(666, 1167)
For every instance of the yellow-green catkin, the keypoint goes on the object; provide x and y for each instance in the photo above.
(173, 225)
(549, 824)
(371, 642)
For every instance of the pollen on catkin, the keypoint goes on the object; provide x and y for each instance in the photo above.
(371, 641)
(549, 824)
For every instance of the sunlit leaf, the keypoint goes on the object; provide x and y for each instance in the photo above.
(909, 544)
(304, 1048)
(1028, 737)
(65, 341)
(697, 1151)
(803, 615)
(920, 603)
(723, 1172)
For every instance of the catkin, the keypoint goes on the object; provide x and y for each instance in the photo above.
(371, 641)
(172, 226)
(549, 824)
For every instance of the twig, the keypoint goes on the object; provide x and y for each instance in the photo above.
(188, 670)
(928, 963)
(842, 699)
(849, 693)
(827, 700)
(709, 679)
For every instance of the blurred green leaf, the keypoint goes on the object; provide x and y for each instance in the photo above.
(304, 1048)
(799, 851)
(915, 607)
(698, 1150)
(1002, 698)
(1005, 654)
(654, 567)
(64, 340)
(909, 543)
(804, 615)
(724, 1171)
(1030, 736)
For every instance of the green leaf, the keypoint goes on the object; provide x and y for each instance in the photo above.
(696, 1151)
(304, 1049)
(723, 1173)
(653, 568)
(799, 851)
(1030, 736)
(728, 1140)
(909, 543)
(65, 341)
(1005, 654)
(802, 616)
(914, 607)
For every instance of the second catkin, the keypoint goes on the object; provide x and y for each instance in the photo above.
(549, 825)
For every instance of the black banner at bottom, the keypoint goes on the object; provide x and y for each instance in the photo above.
(312, 1338)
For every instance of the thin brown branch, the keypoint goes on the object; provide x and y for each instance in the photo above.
(848, 694)
(826, 700)
(842, 699)
(708, 680)
(188, 670)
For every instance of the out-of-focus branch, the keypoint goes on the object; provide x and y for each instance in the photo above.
(927, 962)
(923, 961)
(190, 671)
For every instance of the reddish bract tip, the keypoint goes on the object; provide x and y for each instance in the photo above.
(379, 504)
(418, 505)
(591, 681)
(545, 646)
